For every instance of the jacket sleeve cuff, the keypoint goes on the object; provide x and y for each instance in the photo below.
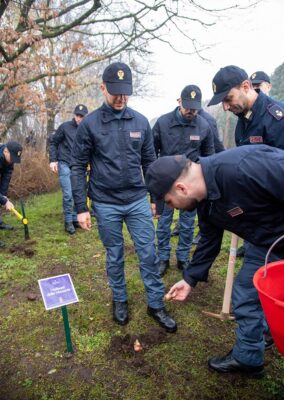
(3, 200)
(188, 279)
(81, 208)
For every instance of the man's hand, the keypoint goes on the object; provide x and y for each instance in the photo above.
(54, 166)
(154, 210)
(8, 205)
(84, 220)
(179, 291)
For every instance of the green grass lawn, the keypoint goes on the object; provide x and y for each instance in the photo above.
(34, 363)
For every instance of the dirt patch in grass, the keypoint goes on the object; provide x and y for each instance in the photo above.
(25, 249)
(125, 344)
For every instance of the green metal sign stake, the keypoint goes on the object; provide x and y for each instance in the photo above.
(67, 329)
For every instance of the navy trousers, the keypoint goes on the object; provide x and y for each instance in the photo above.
(249, 346)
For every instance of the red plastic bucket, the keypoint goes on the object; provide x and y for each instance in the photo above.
(269, 282)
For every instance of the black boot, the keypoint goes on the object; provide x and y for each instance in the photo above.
(229, 364)
(163, 318)
(120, 312)
(163, 266)
(6, 226)
(69, 228)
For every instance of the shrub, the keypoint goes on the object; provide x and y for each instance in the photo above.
(32, 176)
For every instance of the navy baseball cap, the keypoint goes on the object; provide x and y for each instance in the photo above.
(80, 109)
(118, 79)
(15, 150)
(162, 173)
(191, 97)
(258, 77)
(225, 79)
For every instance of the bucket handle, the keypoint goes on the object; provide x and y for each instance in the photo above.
(279, 303)
(269, 251)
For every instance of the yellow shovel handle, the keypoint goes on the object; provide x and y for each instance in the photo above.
(19, 216)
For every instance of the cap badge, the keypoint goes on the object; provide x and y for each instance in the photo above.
(120, 74)
(193, 94)
(80, 107)
(253, 76)
(19, 153)
(279, 113)
(214, 87)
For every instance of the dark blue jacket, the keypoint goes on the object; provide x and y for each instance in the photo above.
(218, 145)
(116, 146)
(192, 139)
(245, 196)
(61, 143)
(263, 124)
(6, 171)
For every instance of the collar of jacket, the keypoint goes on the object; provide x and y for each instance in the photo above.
(175, 122)
(74, 123)
(258, 108)
(213, 192)
(108, 115)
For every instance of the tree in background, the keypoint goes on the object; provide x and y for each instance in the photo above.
(277, 81)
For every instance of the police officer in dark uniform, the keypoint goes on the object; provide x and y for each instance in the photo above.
(218, 146)
(10, 154)
(181, 131)
(260, 118)
(60, 148)
(252, 208)
(261, 82)
(116, 141)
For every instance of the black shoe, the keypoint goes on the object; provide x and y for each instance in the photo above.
(163, 266)
(69, 228)
(120, 312)
(269, 342)
(182, 264)
(6, 226)
(175, 231)
(2, 244)
(196, 239)
(241, 251)
(163, 318)
(229, 364)
(76, 225)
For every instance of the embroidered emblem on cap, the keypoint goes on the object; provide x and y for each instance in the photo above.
(19, 153)
(256, 139)
(80, 107)
(253, 75)
(120, 74)
(193, 94)
(214, 87)
(235, 211)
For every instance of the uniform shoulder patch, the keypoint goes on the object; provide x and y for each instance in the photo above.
(276, 111)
